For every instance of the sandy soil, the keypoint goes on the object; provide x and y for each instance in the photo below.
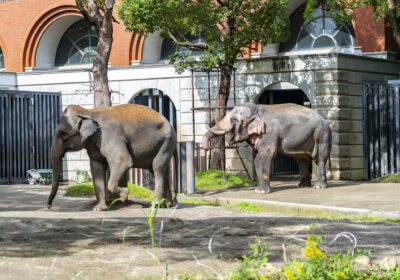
(70, 242)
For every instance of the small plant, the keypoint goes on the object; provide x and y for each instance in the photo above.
(246, 206)
(82, 176)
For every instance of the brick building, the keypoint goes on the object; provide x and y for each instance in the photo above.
(47, 46)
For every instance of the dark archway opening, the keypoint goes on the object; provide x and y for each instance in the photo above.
(282, 164)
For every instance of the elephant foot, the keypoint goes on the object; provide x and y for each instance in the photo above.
(100, 207)
(320, 185)
(304, 184)
(124, 194)
(262, 190)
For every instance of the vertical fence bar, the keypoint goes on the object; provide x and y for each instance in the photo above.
(397, 126)
(190, 171)
(376, 132)
(390, 130)
(182, 160)
(383, 129)
(160, 102)
(150, 98)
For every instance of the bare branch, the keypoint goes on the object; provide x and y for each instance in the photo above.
(221, 3)
(191, 46)
(107, 18)
(92, 14)
(109, 7)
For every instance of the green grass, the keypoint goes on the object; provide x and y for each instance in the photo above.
(245, 206)
(390, 178)
(195, 201)
(88, 190)
(212, 179)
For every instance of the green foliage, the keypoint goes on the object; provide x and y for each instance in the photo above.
(88, 190)
(390, 178)
(228, 26)
(82, 176)
(213, 179)
(247, 269)
(344, 10)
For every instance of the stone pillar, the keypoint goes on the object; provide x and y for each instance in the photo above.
(339, 101)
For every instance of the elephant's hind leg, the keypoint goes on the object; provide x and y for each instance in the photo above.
(305, 176)
(161, 171)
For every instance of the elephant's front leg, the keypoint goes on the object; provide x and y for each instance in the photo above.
(98, 170)
(262, 164)
(119, 164)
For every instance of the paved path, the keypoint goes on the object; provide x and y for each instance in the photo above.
(69, 240)
(375, 199)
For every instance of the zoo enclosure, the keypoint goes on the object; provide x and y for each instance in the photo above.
(381, 128)
(27, 124)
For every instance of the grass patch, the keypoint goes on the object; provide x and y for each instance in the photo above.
(390, 178)
(245, 206)
(88, 190)
(80, 190)
(195, 201)
(212, 179)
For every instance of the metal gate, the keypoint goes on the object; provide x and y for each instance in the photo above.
(156, 100)
(381, 128)
(27, 123)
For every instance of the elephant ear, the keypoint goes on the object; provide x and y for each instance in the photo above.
(87, 127)
(256, 126)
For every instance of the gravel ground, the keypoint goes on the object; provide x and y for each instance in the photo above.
(70, 242)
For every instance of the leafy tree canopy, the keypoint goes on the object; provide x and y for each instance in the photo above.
(228, 26)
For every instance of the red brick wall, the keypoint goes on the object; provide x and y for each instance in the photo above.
(21, 22)
(19, 18)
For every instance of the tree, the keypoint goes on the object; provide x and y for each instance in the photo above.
(344, 11)
(229, 28)
(99, 13)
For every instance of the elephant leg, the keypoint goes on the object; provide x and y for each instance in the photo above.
(262, 164)
(98, 171)
(321, 175)
(305, 176)
(161, 172)
(118, 170)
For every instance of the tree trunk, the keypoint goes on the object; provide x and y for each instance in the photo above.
(222, 101)
(394, 21)
(102, 94)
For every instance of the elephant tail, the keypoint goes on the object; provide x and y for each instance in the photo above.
(176, 175)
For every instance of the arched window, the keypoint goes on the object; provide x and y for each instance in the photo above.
(320, 32)
(168, 46)
(1, 59)
(77, 45)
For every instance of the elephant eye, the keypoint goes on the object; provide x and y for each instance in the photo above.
(234, 120)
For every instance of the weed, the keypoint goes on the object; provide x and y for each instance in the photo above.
(200, 202)
(245, 206)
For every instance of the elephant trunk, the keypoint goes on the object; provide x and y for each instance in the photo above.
(56, 161)
(222, 127)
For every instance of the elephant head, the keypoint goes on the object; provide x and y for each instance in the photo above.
(243, 122)
(74, 128)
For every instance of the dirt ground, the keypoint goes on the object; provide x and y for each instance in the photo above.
(70, 242)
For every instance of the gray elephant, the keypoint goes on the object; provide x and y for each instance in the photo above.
(285, 129)
(119, 137)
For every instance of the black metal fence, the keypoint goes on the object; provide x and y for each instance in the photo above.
(27, 123)
(381, 128)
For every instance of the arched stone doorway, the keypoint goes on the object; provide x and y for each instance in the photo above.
(277, 94)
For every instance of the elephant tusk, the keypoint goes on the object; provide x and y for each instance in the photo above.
(216, 132)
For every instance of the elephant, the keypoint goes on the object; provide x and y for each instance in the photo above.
(285, 129)
(119, 137)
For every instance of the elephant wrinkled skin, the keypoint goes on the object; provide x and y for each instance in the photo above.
(285, 129)
(118, 137)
